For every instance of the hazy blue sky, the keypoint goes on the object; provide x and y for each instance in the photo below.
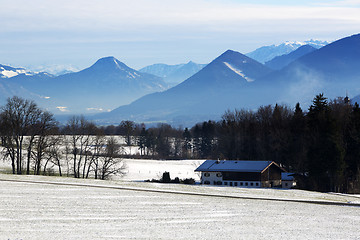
(143, 32)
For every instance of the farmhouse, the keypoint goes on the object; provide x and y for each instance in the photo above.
(241, 173)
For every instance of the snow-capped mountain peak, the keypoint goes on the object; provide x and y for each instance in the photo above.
(8, 72)
(266, 53)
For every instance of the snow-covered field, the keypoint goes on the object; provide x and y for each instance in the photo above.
(110, 210)
(142, 169)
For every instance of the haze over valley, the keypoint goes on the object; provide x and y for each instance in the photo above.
(184, 94)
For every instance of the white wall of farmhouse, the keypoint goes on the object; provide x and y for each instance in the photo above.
(211, 177)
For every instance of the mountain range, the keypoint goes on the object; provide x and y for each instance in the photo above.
(207, 93)
(9, 88)
(105, 85)
(333, 69)
(266, 53)
(9, 72)
(234, 80)
(173, 74)
(282, 61)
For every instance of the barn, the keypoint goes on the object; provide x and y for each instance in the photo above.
(238, 173)
(287, 180)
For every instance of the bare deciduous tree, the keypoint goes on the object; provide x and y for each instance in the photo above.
(18, 117)
(109, 164)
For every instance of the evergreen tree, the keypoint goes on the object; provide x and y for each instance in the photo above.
(326, 154)
(187, 143)
(352, 157)
(298, 143)
(280, 135)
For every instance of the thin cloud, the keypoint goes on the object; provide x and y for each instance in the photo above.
(142, 32)
(124, 15)
(343, 3)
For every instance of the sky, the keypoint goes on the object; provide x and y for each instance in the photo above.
(75, 33)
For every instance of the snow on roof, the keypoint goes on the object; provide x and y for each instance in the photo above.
(233, 166)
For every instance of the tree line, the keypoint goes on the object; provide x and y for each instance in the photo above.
(320, 145)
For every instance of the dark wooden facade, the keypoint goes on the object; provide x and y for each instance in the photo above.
(271, 176)
(241, 176)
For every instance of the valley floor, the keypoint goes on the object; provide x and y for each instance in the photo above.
(93, 209)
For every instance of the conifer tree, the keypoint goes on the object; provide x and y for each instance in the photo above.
(326, 155)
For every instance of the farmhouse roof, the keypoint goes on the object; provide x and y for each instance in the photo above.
(234, 166)
(285, 176)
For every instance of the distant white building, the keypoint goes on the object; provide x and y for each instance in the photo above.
(238, 173)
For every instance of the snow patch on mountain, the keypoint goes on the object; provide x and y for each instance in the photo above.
(55, 69)
(117, 64)
(239, 72)
(132, 75)
(62, 109)
(12, 72)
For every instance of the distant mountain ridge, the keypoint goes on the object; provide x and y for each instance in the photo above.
(279, 62)
(9, 87)
(56, 69)
(161, 69)
(266, 53)
(332, 70)
(173, 74)
(103, 86)
(208, 92)
(233, 80)
(8, 72)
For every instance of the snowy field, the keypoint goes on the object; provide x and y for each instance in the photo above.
(140, 169)
(145, 169)
(110, 210)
